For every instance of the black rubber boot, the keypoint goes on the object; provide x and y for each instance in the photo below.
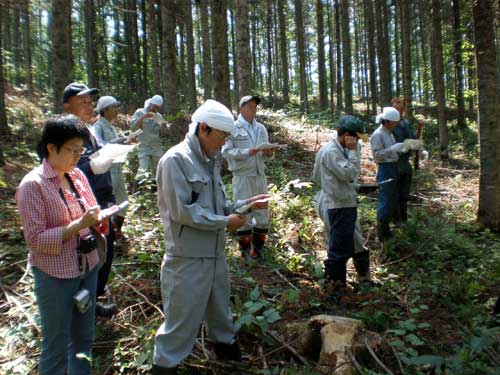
(105, 310)
(245, 243)
(228, 352)
(383, 231)
(403, 211)
(361, 262)
(157, 370)
(496, 310)
(258, 241)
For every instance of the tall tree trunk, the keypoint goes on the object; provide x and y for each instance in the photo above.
(322, 78)
(17, 44)
(406, 41)
(269, 25)
(27, 46)
(181, 78)
(61, 46)
(340, 99)
(220, 52)
(437, 47)
(370, 33)
(169, 48)
(471, 77)
(459, 75)
(233, 53)
(116, 35)
(426, 78)
(346, 54)
(188, 16)
(331, 57)
(90, 47)
(255, 48)
(489, 122)
(136, 48)
(7, 41)
(283, 49)
(205, 42)
(144, 81)
(129, 47)
(243, 48)
(397, 12)
(301, 53)
(103, 43)
(383, 54)
(4, 126)
(153, 45)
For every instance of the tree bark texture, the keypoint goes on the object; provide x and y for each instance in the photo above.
(439, 89)
(346, 55)
(61, 50)
(169, 48)
(489, 121)
(220, 52)
(243, 56)
(301, 54)
(322, 78)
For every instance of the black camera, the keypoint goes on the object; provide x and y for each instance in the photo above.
(87, 244)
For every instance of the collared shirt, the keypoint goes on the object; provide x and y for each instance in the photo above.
(150, 139)
(44, 215)
(192, 201)
(104, 131)
(381, 140)
(237, 148)
(336, 170)
(250, 127)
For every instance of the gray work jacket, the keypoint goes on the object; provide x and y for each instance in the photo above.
(237, 148)
(192, 201)
(381, 140)
(336, 170)
(150, 140)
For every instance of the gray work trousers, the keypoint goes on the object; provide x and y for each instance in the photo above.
(193, 289)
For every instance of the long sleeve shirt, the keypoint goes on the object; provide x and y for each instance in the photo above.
(236, 151)
(44, 215)
(192, 201)
(381, 141)
(336, 170)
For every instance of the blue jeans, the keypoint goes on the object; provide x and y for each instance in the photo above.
(65, 331)
(388, 194)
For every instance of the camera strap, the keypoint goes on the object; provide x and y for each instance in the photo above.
(77, 196)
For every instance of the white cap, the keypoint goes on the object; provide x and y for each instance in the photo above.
(215, 115)
(155, 100)
(388, 113)
(105, 102)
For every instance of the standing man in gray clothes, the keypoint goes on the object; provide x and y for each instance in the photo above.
(195, 214)
(247, 163)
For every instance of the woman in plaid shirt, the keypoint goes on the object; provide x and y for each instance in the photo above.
(57, 207)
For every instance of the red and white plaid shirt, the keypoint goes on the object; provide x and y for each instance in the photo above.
(44, 215)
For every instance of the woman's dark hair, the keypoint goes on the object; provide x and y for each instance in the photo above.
(59, 130)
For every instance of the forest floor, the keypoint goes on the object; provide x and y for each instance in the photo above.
(439, 275)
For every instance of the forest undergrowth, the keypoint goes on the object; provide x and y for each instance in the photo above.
(439, 275)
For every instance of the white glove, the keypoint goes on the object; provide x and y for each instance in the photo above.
(100, 165)
(398, 147)
(413, 144)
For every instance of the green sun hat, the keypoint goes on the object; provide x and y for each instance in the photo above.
(355, 125)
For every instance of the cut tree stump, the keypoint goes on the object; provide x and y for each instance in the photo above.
(328, 339)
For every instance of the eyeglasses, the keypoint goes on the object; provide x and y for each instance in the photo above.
(75, 150)
(223, 136)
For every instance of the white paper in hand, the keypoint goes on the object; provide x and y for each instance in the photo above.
(134, 134)
(269, 146)
(158, 118)
(112, 151)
